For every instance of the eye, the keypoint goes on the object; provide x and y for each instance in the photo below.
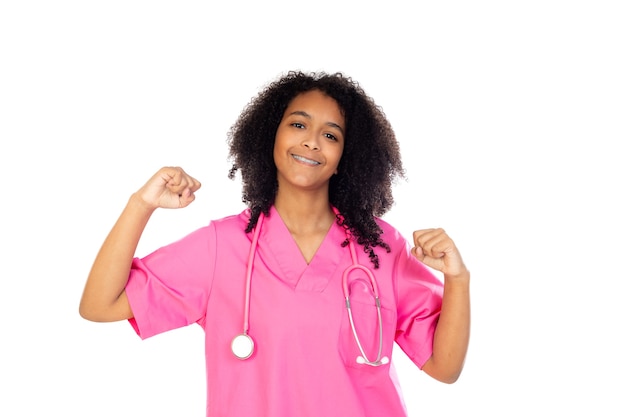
(297, 125)
(331, 137)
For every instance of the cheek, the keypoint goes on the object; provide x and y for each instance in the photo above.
(338, 155)
(279, 140)
(277, 149)
(275, 154)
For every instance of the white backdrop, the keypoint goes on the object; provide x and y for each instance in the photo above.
(511, 118)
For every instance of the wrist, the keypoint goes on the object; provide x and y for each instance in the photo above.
(463, 275)
(135, 202)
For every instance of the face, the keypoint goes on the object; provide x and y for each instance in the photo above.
(309, 142)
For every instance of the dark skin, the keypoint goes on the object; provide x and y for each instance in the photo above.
(362, 186)
(308, 149)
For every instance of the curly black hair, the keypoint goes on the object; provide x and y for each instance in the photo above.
(369, 166)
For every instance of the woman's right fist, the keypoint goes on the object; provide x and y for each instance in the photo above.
(170, 187)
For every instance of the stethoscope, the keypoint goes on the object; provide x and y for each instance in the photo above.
(242, 345)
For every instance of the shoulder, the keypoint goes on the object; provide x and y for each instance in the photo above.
(404, 263)
(219, 228)
(390, 235)
(232, 227)
(232, 221)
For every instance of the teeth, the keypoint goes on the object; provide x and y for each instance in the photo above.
(305, 160)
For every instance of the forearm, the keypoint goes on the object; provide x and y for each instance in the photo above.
(453, 329)
(103, 297)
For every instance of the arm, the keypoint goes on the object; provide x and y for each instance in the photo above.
(435, 249)
(104, 298)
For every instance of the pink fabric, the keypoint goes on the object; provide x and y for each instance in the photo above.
(305, 358)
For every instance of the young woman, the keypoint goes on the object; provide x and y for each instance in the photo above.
(301, 295)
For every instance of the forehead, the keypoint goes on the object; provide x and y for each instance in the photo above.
(315, 102)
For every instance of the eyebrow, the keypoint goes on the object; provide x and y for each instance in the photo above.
(308, 116)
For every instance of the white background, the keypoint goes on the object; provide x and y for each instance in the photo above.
(511, 119)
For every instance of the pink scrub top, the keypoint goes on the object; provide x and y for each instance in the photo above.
(304, 362)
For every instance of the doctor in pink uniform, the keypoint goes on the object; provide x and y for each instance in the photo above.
(303, 294)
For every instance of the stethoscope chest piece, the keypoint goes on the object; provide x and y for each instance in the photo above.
(242, 346)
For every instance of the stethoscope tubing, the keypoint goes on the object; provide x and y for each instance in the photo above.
(346, 292)
(255, 239)
(243, 345)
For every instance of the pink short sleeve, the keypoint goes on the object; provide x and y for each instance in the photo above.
(170, 287)
(419, 304)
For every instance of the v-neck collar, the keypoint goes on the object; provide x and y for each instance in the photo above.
(292, 268)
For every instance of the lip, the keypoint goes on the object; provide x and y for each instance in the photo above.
(304, 160)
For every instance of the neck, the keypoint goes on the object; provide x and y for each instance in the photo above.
(305, 213)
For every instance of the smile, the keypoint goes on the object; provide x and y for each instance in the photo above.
(305, 160)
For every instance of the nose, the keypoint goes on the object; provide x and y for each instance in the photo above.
(311, 142)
